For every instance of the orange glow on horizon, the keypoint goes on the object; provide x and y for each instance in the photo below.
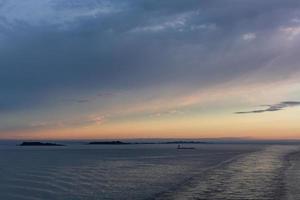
(257, 126)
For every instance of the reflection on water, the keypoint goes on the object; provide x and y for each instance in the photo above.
(292, 180)
(143, 172)
(257, 175)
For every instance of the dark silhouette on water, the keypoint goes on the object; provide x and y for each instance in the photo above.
(117, 142)
(108, 143)
(39, 144)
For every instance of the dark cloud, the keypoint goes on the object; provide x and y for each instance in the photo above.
(273, 108)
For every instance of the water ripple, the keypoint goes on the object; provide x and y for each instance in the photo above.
(258, 175)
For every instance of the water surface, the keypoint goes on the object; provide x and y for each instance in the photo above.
(211, 171)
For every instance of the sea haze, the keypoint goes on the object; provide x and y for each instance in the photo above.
(149, 171)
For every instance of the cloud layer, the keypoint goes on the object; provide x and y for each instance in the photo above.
(275, 107)
(53, 50)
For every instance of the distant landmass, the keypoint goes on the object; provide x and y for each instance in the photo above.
(108, 142)
(185, 142)
(127, 143)
(39, 144)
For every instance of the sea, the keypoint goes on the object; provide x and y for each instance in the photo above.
(150, 171)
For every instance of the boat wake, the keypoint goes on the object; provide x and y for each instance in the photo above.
(257, 175)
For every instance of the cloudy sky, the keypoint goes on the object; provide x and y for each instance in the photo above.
(77, 69)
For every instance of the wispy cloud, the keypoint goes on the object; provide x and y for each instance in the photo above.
(89, 99)
(291, 32)
(181, 22)
(273, 108)
(178, 23)
(249, 36)
(67, 123)
(167, 113)
(105, 94)
(49, 12)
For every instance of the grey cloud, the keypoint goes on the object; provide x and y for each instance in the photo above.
(273, 108)
(196, 44)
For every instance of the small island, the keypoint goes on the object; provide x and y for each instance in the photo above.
(39, 144)
(108, 143)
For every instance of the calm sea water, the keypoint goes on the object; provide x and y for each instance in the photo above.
(211, 171)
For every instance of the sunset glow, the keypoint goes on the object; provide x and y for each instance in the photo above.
(120, 70)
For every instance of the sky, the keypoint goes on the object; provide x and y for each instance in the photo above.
(102, 69)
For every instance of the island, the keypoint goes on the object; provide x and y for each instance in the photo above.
(108, 143)
(128, 143)
(39, 144)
